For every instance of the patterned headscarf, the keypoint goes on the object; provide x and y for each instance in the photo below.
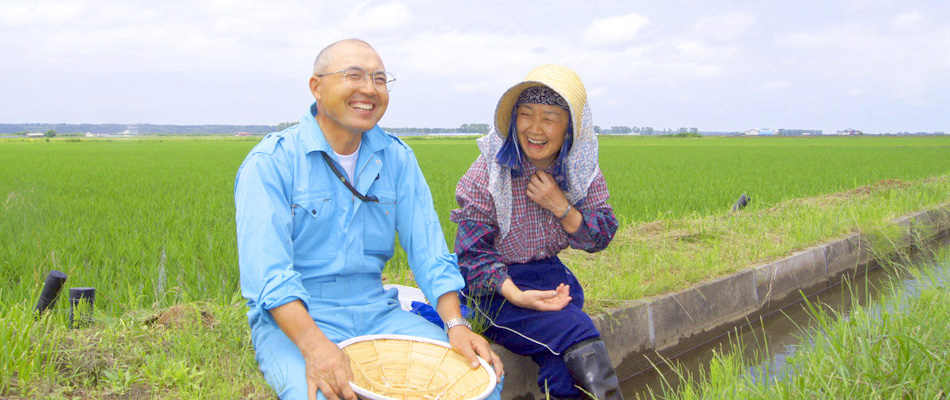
(577, 162)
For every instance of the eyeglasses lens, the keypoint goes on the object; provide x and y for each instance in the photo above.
(355, 76)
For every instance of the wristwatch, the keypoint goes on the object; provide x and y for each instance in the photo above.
(566, 212)
(456, 322)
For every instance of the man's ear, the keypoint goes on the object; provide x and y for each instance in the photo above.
(314, 86)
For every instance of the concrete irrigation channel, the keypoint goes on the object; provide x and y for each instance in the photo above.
(645, 332)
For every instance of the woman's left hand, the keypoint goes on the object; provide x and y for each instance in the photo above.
(543, 190)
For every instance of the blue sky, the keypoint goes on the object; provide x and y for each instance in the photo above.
(871, 65)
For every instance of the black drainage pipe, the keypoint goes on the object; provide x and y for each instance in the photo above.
(51, 288)
(80, 306)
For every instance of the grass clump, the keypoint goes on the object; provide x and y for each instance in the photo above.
(897, 349)
(195, 350)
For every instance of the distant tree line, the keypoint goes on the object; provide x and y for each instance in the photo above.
(464, 128)
(142, 128)
(153, 129)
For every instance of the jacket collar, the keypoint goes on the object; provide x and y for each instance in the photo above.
(312, 138)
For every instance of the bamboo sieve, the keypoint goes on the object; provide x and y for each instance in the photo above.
(399, 367)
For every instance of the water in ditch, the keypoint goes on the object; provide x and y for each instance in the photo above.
(776, 336)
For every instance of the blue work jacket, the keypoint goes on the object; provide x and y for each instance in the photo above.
(297, 221)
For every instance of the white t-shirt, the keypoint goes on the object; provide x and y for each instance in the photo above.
(349, 163)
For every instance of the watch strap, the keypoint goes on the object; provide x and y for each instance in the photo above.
(456, 322)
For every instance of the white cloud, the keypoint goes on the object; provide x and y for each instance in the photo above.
(365, 18)
(726, 26)
(909, 21)
(616, 30)
(776, 85)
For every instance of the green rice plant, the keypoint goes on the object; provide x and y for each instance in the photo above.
(26, 353)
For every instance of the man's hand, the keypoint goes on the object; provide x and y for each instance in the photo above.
(469, 343)
(326, 366)
(328, 369)
(543, 190)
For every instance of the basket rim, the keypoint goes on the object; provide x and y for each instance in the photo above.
(493, 380)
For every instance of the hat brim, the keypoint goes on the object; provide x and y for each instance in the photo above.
(560, 79)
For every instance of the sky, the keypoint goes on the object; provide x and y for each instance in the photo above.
(873, 65)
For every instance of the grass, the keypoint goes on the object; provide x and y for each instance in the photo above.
(897, 349)
(149, 223)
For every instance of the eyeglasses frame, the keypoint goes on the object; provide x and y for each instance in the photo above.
(389, 75)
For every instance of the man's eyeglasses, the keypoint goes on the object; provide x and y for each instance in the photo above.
(355, 77)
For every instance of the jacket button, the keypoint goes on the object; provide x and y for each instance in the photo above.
(314, 212)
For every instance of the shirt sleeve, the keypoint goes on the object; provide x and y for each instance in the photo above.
(479, 260)
(435, 268)
(264, 232)
(599, 222)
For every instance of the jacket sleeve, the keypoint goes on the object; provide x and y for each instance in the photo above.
(479, 260)
(599, 224)
(264, 231)
(420, 234)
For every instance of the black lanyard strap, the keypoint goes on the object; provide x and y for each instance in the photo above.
(367, 199)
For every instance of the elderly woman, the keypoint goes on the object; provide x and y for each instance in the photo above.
(535, 189)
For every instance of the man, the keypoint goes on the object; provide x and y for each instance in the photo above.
(318, 206)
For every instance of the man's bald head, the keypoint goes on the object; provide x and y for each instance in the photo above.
(326, 55)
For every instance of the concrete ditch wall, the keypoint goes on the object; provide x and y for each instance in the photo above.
(669, 324)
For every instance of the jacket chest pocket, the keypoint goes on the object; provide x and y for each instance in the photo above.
(315, 222)
(379, 225)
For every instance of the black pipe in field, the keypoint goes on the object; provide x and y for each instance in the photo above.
(80, 306)
(51, 288)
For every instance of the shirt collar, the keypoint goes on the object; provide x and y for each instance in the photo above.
(528, 168)
(312, 139)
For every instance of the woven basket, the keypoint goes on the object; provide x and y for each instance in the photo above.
(399, 367)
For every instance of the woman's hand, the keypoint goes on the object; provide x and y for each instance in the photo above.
(470, 344)
(538, 300)
(543, 190)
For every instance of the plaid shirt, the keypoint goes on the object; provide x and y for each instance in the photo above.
(535, 233)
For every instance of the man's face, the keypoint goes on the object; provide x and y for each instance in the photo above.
(340, 107)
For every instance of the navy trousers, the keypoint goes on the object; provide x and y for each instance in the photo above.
(542, 335)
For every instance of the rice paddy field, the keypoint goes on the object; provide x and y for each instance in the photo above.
(150, 224)
(152, 221)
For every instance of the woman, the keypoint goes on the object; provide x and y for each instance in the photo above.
(535, 189)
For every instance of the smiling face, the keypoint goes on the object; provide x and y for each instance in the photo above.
(342, 109)
(541, 130)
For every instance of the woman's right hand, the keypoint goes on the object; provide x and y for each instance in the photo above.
(538, 300)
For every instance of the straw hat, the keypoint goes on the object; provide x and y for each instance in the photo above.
(399, 367)
(562, 80)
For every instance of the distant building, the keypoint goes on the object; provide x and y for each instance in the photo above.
(35, 134)
(760, 132)
(243, 134)
(850, 132)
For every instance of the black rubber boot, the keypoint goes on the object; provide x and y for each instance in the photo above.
(590, 366)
